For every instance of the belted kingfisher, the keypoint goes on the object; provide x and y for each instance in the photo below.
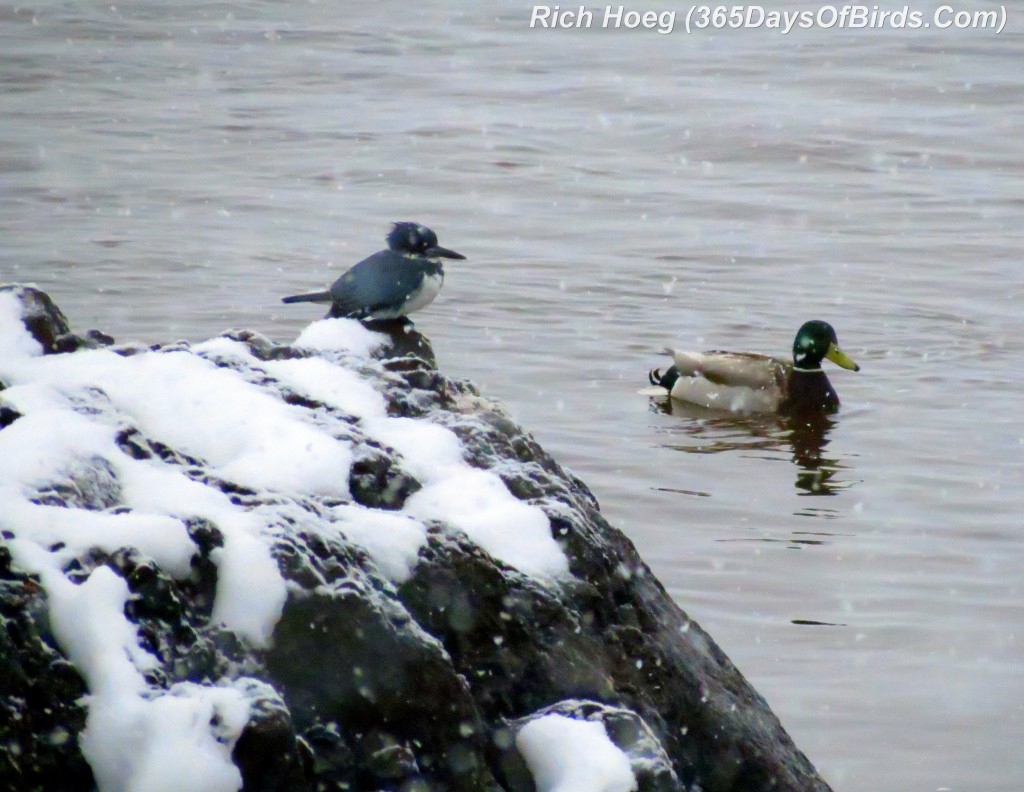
(391, 283)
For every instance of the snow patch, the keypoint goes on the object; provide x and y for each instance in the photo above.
(330, 384)
(475, 501)
(15, 339)
(569, 755)
(392, 539)
(342, 335)
(245, 435)
(429, 452)
(478, 503)
(250, 590)
(40, 449)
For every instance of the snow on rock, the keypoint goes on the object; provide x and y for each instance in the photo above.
(184, 739)
(405, 570)
(45, 447)
(212, 412)
(569, 755)
(218, 416)
(15, 339)
(580, 744)
(475, 501)
(136, 738)
(73, 408)
(245, 435)
(478, 502)
(331, 384)
(471, 500)
(250, 589)
(346, 335)
(393, 539)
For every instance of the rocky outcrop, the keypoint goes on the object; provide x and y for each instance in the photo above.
(414, 674)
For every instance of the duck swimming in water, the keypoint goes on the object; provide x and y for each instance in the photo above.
(751, 382)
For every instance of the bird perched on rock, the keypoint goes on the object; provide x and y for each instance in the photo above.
(391, 283)
(749, 382)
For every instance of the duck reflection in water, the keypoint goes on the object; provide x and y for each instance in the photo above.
(804, 436)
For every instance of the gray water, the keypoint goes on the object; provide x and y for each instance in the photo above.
(169, 170)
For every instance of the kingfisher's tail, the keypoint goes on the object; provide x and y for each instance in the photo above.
(315, 297)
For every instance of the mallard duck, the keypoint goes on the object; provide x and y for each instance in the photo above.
(749, 382)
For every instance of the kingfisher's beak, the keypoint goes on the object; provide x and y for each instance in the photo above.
(840, 358)
(440, 252)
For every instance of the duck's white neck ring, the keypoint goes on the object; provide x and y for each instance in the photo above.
(807, 371)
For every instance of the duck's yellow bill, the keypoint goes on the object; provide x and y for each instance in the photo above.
(840, 358)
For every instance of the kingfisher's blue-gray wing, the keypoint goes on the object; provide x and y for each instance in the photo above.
(382, 281)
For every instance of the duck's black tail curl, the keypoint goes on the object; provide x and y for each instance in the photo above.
(666, 380)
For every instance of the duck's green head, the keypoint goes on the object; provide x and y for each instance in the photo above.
(816, 341)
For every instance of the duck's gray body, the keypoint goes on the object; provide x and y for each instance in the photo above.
(391, 283)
